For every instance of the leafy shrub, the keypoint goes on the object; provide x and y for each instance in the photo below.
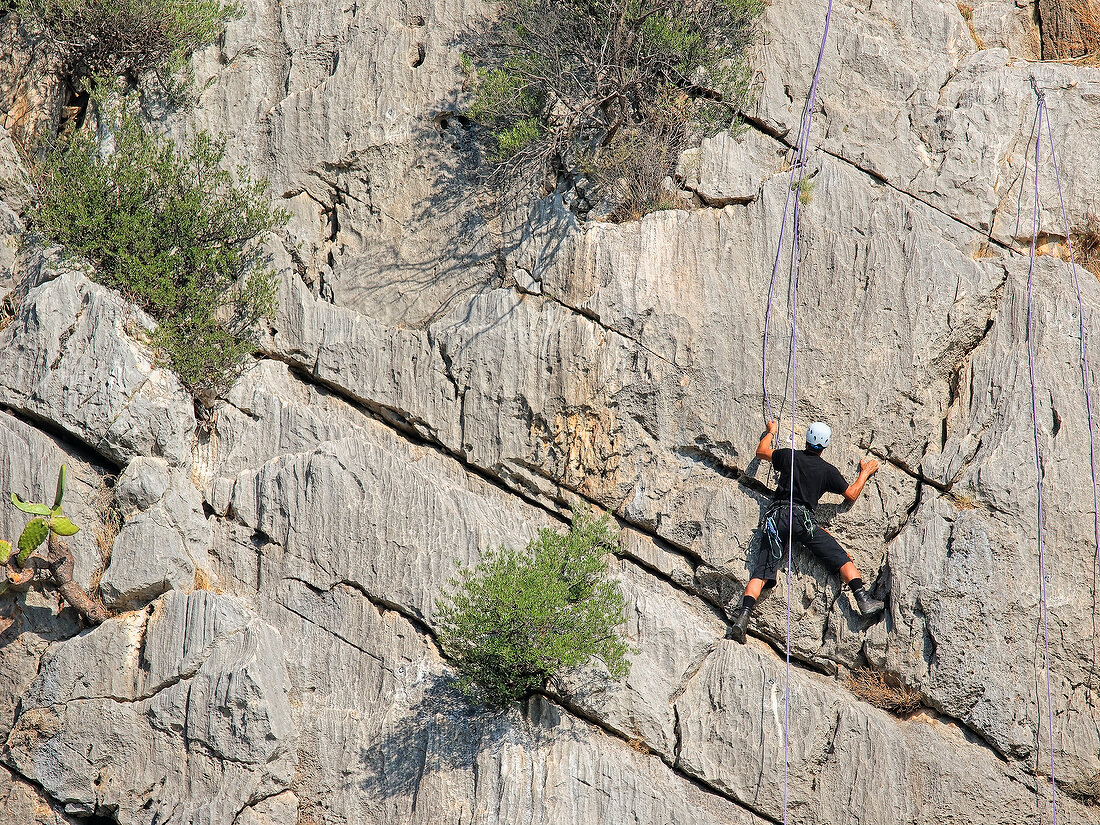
(518, 619)
(171, 230)
(125, 37)
(611, 89)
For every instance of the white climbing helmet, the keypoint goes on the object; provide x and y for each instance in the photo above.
(818, 435)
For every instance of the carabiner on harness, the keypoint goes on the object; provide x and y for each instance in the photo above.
(772, 529)
(773, 536)
(808, 522)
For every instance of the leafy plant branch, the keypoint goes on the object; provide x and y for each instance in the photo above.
(41, 549)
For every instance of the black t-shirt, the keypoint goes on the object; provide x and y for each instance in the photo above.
(813, 477)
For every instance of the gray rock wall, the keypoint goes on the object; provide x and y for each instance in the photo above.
(444, 376)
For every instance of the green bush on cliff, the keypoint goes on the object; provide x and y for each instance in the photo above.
(518, 619)
(612, 90)
(173, 231)
(125, 37)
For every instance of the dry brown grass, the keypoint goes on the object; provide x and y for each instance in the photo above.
(963, 500)
(108, 522)
(1088, 791)
(1071, 31)
(8, 308)
(1086, 245)
(883, 691)
(1087, 13)
(983, 250)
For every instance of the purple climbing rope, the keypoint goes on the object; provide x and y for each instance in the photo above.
(1038, 460)
(1084, 341)
(794, 188)
(790, 545)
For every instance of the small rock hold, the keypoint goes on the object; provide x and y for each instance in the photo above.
(526, 283)
(142, 484)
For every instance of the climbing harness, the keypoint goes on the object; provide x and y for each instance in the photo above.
(775, 541)
(798, 173)
(1042, 116)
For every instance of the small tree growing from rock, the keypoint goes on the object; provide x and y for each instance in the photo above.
(519, 619)
(125, 37)
(171, 229)
(609, 91)
(23, 564)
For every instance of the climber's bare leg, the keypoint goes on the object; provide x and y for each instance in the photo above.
(847, 573)
(754, 587)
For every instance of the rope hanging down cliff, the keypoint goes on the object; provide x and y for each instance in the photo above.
(798, 177)
(1042, 116)
(1038, 460)
(798, 172)
(1083, 337)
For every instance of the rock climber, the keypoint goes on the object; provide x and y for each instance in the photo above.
(813, 476)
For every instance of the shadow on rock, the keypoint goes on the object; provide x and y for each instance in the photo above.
(443, 732)
(446, 733)
(30, 612)
(381, 204)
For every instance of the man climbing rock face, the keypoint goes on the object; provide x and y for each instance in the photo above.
(813, 476)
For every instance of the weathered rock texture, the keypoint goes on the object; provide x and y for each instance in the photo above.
(123, 715)
(1071, 28)
(445, 376)
(163, 520)
(72, 358)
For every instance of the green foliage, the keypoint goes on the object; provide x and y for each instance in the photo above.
(518, 619)
(63, 527)
(21, 569)
(35, 532)
(512, 111)
(806, 191)
(59, 491)
(173, 231)
(125, 37)
(514, 139)
(46, 520)
(29, 507)
(619, 87)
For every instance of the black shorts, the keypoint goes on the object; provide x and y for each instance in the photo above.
(825, 548)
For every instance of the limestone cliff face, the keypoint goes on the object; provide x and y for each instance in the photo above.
(441, 379)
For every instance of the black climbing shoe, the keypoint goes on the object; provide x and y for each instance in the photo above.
(867, 605)
(740, 624)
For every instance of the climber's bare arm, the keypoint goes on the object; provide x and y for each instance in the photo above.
(764, 449)
(867, 468)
